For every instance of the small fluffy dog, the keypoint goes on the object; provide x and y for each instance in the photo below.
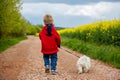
(83, 64)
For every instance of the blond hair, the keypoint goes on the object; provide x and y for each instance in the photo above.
(48, 19)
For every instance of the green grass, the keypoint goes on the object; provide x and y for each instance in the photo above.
(6, 43)
(105, 53)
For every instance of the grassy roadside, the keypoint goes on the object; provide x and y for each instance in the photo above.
(108, 54)
(6, 43)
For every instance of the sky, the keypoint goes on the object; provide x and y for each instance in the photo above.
(70, 13)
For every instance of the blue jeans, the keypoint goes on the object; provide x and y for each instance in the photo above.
(50, 60)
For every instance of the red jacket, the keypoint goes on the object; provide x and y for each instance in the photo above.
(49, 43)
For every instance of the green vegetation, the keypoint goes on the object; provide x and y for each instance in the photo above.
(32, 30)
(99, 40)
(59, 28)
(12, 23)
(13, 26)
(108, 54)
(6, 43)
(105, 32)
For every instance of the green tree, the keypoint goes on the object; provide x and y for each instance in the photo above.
(12, 24)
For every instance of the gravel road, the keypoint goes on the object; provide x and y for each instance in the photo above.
(24, 61)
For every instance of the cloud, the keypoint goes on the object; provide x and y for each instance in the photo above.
(101, 10)
(93, 10)
(42, 8)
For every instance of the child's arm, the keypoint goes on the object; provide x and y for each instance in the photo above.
(58, 40)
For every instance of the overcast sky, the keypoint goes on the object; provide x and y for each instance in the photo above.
(71, 13)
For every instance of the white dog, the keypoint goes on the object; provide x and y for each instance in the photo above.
(83, 64)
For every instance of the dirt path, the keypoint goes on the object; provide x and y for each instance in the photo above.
(24, 62)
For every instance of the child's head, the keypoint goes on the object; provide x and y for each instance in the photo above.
(48, 19)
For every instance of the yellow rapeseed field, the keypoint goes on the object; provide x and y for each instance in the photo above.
(103, 32)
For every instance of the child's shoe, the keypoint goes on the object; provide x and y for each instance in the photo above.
(53, 72)
(47, 69)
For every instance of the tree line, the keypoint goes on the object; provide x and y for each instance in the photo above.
(12, 23)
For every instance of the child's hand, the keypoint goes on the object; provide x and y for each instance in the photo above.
(59, 46)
